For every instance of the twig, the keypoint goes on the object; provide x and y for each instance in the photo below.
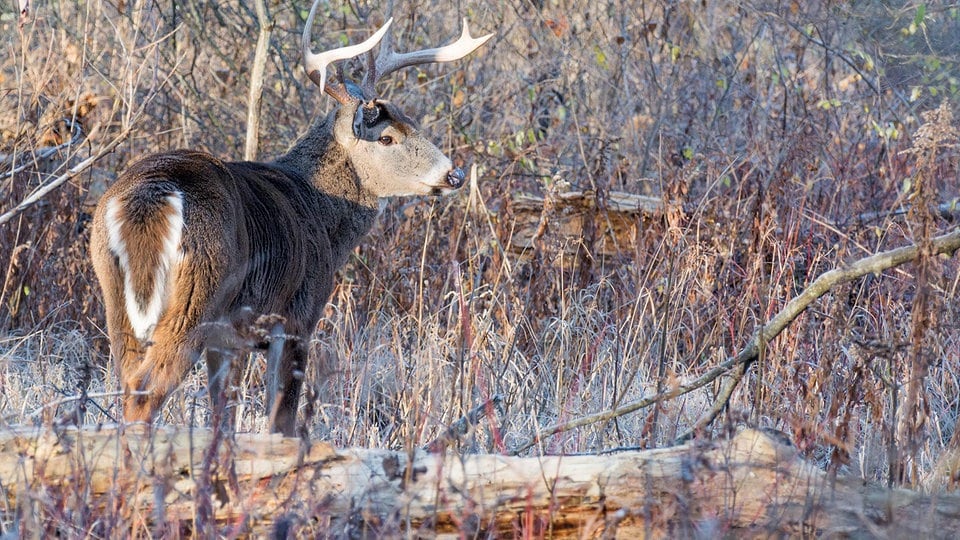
(719, 404)
(77, 134)
(60, 180)
(874, 264)
(843, 56)
(463, 426)
(63, 401)
(949, 210)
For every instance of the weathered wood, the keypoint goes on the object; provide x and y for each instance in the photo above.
(616, 226)
(752, 485)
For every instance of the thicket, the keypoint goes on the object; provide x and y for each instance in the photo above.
(783, 139)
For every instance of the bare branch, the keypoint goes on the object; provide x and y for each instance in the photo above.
(256, 82)
(874, 264)
(77, 134)
(465, 424)
(60, 180)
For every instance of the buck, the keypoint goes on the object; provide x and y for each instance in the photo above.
(184, 244)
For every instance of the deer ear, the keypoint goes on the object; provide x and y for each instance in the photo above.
(366, 120)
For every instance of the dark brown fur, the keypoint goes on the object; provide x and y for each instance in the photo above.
(260, 238)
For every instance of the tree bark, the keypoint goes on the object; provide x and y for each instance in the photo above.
(252, 142)
(191, 480)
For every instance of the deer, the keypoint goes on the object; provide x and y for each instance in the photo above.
(183, 243)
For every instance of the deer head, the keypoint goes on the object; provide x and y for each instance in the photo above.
(374, 132)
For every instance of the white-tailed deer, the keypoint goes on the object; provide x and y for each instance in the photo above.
(184, 242)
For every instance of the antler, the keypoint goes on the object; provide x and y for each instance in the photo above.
(389, 61)
(316, 64)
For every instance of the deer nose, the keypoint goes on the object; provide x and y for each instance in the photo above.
(455, 177)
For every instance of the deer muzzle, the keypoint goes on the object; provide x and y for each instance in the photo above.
(455, 178)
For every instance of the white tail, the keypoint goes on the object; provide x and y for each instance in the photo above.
(184, 242)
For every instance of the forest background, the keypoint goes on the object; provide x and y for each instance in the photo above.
(773, 141)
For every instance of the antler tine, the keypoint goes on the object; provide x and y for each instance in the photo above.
(316, 64)
(389, 61)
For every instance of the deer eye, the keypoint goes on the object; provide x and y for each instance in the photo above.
(386, 140)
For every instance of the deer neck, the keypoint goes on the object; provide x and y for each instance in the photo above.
(318, 157)
(349, 210)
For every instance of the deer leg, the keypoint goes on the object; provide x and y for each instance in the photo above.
(219, 379)
(149, 378)
(164, 366)
(274, 360)
(291, 380)
(125, 348)
(129, 355)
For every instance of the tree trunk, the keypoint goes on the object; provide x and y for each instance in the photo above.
(191, 481)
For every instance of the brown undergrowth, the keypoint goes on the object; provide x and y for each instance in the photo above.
(783, 139)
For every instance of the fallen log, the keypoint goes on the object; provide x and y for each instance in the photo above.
(571, 214)
(193, 481)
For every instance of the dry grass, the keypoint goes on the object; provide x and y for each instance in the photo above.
(780, 132)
